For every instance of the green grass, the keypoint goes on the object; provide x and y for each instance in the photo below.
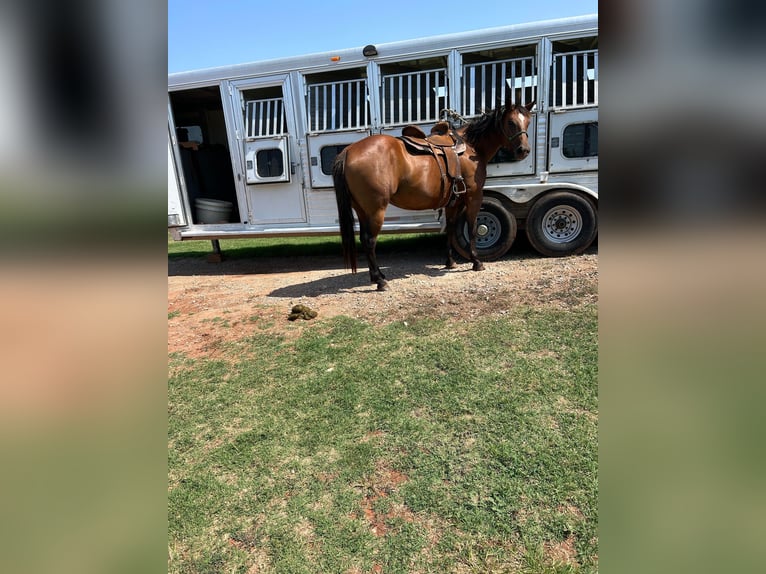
(305, 246)
(425, 447)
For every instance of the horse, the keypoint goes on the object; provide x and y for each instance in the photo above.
(376, 171)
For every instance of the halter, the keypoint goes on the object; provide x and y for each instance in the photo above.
(514, 136)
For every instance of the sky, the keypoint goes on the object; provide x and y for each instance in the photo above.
(209, 33)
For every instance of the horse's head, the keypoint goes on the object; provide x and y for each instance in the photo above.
(514, 124)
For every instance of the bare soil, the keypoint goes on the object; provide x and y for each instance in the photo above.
(211, 303)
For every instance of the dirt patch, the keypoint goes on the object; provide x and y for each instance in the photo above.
(384, 482)
(562, 552)
(209, 303)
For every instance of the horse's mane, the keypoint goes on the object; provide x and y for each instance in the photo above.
(488, 123)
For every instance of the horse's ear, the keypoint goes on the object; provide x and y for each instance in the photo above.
(530, 105)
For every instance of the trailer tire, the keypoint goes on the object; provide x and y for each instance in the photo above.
(495, 231)
(561, 223)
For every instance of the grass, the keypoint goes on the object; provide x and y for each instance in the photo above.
(305, 246)
(418, 447)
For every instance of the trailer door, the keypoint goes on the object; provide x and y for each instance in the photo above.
(268, 150)
(338, 114)
(573, 142)
(176, 216)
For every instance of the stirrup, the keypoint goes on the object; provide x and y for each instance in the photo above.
(455, 190)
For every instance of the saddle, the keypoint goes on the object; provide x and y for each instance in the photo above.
(441, 143)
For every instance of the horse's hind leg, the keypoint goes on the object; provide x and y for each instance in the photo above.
(450, 227)
(368, 235)
(472, 211)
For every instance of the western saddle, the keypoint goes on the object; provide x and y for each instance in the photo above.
(442, 143)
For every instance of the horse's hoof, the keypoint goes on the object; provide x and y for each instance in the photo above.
(450, 265)
(383, 286)
(478, 266)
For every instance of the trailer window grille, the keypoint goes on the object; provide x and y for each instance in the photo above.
(265, 118)
(574, 81)
(338, 106)
(485, 85)
(414, 97)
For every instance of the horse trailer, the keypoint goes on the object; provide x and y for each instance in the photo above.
(251, 146)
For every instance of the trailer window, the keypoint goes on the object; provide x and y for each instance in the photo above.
(580, 140)
(574, 79)
(265, 118)
(338, 105)
(328, 154)
(413, 97)
(270, 163)
(486, 83)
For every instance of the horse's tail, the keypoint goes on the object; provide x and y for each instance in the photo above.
(345, 214)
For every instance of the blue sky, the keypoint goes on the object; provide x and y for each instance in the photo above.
(207, 33)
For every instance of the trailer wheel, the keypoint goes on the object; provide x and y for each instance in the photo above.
(495, 231)
(561, 223)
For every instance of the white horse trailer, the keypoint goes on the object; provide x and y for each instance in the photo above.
(251, 146)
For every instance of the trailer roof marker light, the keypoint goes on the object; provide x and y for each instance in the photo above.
(335, 58)
(369, 50)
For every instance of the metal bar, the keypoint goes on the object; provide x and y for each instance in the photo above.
(341, 105)
(563, 81)
(472, 92)
(333, 110)
(324, 107)
(359, 104)
(408, 101)
(494, 83)
(391, 101)
(483, 95)
(275, 117)
(585, 94)
(431, 99)
(504, 74)
(464, 88)
(401, 86)
(595, 78)
(315, 105)
(418, 90)
(349, 106)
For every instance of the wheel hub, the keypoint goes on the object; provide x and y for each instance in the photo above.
(562, 224)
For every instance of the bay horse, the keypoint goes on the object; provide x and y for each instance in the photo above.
(378, 170)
